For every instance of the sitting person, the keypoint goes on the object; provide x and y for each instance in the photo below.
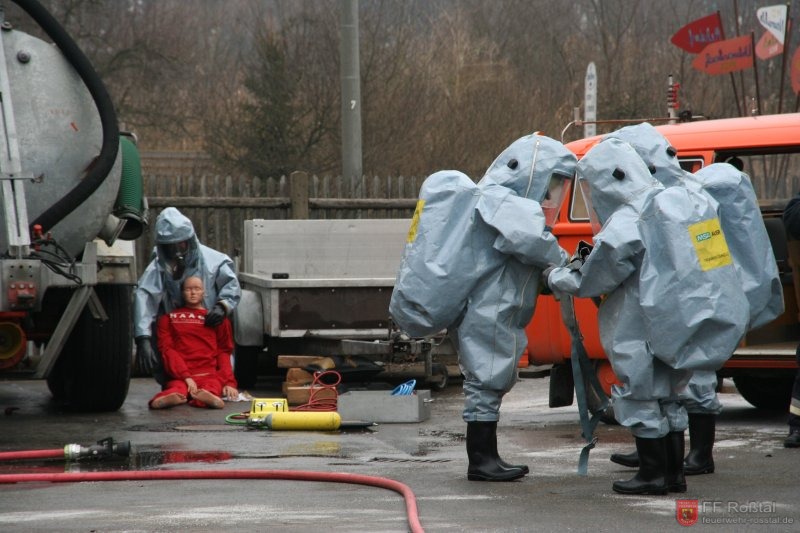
(196, 357)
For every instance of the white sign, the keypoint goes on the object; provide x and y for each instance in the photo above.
(773, 18)
(590, 101)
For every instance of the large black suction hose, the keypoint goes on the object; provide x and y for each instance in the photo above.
(101, 167)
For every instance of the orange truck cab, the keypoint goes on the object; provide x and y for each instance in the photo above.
(764, 366)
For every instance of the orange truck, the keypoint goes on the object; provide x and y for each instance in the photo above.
(764, 365)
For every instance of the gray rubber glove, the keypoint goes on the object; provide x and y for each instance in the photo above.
(146, 357)
(544, 287)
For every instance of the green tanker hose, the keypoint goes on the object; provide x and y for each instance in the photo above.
(129, 203)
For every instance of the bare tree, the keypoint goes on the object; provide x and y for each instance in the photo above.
(445, 83)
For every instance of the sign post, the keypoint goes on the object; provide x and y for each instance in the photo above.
(590, 101)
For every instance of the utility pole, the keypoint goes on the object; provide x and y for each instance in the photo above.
(351, 90)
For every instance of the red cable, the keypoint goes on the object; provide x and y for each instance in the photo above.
(318, 387)
(32, 454)
(292, 475)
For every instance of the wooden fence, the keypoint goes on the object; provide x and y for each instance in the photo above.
(218, 205)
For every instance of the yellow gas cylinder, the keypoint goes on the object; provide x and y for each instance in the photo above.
(303, 420)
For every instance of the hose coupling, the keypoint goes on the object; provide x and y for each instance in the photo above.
(104, 449)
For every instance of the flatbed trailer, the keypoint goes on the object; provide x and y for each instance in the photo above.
(322, 287)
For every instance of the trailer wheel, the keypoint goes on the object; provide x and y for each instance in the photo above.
(439, 376)
(245, 366)
(93, 371)
(773, 392)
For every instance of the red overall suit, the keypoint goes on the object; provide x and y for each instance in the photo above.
(192, 350)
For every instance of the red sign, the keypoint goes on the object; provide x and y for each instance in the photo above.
(699, 33)
(768, 46)
(725, 56)
(687, 511)
(794, 71)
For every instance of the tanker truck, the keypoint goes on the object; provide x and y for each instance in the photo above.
(72, 204)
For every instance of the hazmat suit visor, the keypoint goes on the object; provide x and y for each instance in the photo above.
(176, 242)
(554, 197)
(174, 250)
(586, 193)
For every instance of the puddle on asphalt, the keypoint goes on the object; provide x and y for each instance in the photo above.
(152, 458)
(211, 427)
(145, 459)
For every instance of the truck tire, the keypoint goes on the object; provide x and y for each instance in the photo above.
(93, 371)
(773, 392)
(562, 385)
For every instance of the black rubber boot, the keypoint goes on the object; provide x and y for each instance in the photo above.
(484, 462)
(651, 477)
(702, 430)
(506, 465)
(626, 459)
(793, 440)
(676, 481)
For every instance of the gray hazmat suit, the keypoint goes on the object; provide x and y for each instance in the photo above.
(439, 255)
(747, 239)
(653, 348)
(753, 257)
(661, 159)
(473, 261)
(740, 217)
(158, 291)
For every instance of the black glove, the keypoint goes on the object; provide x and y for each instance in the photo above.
(146, 357)
(215, 316)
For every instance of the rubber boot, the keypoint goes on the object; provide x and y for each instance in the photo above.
(626, 459)
(484, 462)
(676, 481)
(793, 440)
(651, 477)
(699, 460)
(506, 465)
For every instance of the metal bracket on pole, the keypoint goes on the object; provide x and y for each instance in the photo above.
(96, 307)
(64, 328)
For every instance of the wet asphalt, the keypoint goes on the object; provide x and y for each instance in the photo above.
(754, 487)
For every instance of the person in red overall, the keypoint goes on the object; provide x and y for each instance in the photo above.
(196, 357)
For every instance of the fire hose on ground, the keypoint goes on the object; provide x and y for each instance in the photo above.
(106, 447)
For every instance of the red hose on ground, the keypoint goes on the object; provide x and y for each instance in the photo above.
(32, 454)
(292, 475)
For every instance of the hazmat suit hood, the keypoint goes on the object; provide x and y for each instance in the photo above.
(655, 150)
(173, 228)
(616, 176)
(536, 168)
